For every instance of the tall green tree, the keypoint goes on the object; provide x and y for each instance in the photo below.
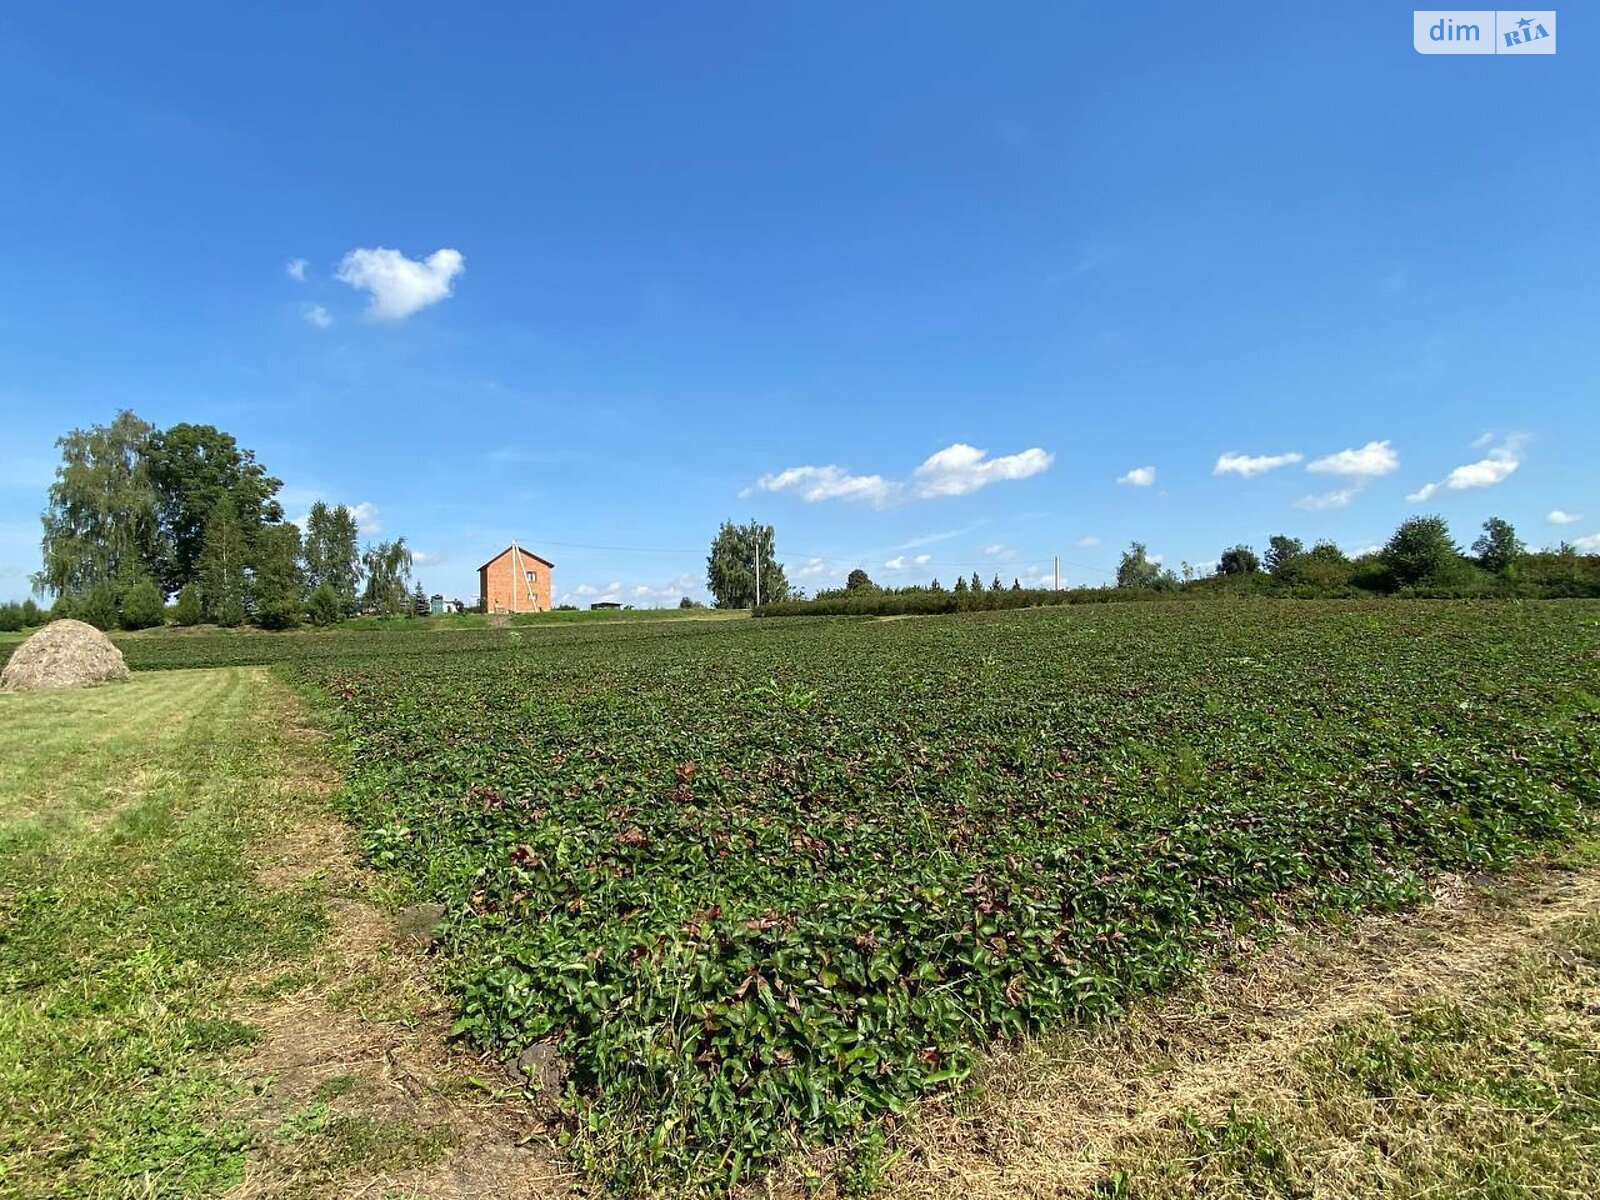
(1421, 552)
(1282, 550)
(278, 583)
(388, 566)
(1238, 560)
(331, 554)
(1497, 548)
(1135, 570)
(193, 467)
(223, 559)
(731, 566)
(859, 580)
(101, 517)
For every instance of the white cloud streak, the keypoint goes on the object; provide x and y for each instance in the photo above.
(902, 562)
(1495, 467)
(954, 471)
(1324, 501)
(1371, 461)
(1557, 517)
(315, 314)
(400, 286)
(1247, 465)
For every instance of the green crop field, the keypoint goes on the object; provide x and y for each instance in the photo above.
(761, 884)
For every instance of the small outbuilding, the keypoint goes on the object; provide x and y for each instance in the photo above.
(515, 581)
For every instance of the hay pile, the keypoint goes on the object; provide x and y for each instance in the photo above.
(64, 654)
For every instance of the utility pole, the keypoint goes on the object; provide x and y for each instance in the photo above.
(1058, 572)
(758, 569)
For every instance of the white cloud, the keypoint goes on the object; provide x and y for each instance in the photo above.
(828, 483)
(1246, 465)
(1088, 539)
(954, 471)
(1482, 440)
(1362, 551)
(315, 314)
(1557, 517)
(901, 562)
(295, 268)
(999, 550)
(1588, 543)
(959, 469)
(399, 285)
(1139, 477)
(1493, 468)
(811, 568)
(425, 558)
(366, 515)
(1324, 501)
(1367, 462)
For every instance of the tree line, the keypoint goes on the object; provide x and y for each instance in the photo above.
(143, 525)
(1421, 559)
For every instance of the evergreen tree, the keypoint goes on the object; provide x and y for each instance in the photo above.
(323, 608)
(98, 605)
(142, 607)
(419, 600)
(278, 583)
(977, 583)
(188, 610)
(961, 585)
(994, 585)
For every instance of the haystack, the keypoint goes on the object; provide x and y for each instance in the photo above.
(64, 654)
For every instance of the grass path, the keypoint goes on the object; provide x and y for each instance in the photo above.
(183, 944)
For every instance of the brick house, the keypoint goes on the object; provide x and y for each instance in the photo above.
(515, 581)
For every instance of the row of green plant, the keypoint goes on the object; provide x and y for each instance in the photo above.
(1421, 559)
(760, 886)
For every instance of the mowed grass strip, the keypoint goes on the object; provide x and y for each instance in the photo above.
(126, 910)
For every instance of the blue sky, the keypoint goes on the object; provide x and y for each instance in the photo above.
(597, 277)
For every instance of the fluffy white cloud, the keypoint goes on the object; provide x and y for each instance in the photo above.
(1557, 517)
(811, 568)
(400, 286)
(425, 558)
(828, 483)
(1589, 543)
(1493, 468)
(1138, 477)
(953, 471)
(1366, 462)
(1246, 465)
(366, 515)
(1323, 501)
(959, 469)
(315, 314)
(1088, 539)
(901, 562)
(295, 269)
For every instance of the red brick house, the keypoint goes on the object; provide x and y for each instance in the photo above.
(515, 581)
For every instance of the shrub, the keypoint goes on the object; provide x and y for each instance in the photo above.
(187, 610)
(142, 607)
(323, 606)
(98, 606)
(10, 618)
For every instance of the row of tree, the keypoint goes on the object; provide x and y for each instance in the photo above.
(138, 516)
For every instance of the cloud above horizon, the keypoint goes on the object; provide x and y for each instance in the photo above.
(400, 286)
(1371, 461)
(957, 470)
(1495, 467)
(295, 269)
(1247, 465)
(1557, 517)
(1138, 477)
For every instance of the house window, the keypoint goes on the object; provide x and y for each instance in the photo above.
(533, 577)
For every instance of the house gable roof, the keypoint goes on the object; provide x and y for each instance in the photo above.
(521, 551)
